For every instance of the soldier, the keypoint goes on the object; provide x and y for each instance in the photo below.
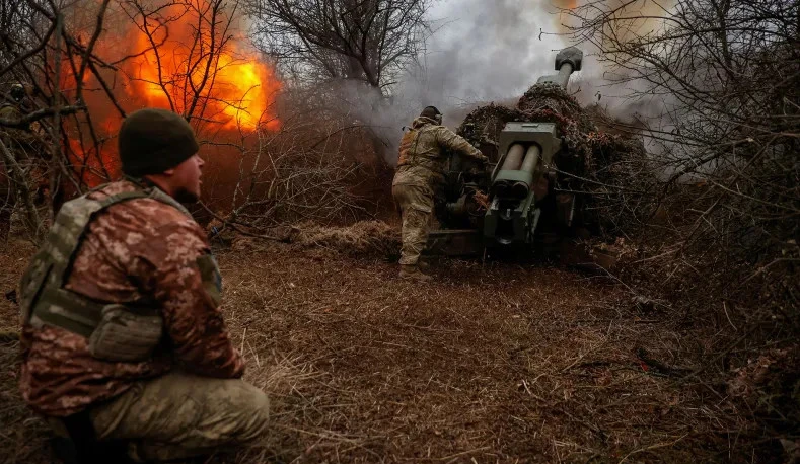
(125, 350)
(9, 110)
(420, 169)
(27, 151)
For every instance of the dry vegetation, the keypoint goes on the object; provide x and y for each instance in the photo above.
(721, 250)
(495, 362)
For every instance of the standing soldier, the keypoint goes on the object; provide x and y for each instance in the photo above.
(10, 111)
(421, 167)
(29, 154)
(125, 350)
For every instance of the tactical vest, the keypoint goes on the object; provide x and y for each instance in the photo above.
(408, 155)
(116, 332)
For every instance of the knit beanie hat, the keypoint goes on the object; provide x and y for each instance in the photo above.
(153, 140)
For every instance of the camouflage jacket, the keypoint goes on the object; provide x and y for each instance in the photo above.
(134, 250)
(11, 112)
(421, 160)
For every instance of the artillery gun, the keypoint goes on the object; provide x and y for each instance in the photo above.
(519, 203)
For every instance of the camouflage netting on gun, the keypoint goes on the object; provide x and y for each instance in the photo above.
(611, 172)
(483, 125)
(551, 98)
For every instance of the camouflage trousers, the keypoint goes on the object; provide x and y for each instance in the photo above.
(179, 416)
(416, 206)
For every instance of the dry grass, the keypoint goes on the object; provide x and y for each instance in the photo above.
(21, 434)
(363, 239)
(493, 362)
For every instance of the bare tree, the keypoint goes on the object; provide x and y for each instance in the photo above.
(289, 177)
(718, 86)
(260, 177)
(367, 40)
(185, 72)
(723, 79)
(185, 56)
(351, 52)
(54, 144)
(39, 51)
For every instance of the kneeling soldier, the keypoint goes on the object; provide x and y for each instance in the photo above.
(125, 350)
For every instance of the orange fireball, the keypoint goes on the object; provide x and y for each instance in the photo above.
(235, 88)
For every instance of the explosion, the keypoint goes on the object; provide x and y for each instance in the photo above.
(237, 88)
(186, 56)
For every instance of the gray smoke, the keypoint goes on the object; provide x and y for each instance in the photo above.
(481, 51)
(614, 88)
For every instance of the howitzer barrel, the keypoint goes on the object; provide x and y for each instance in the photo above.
(520, 189)
(531, 158)
(568, 61)
(563, 75)
(511, 162)
(514, 157)
(515, 161)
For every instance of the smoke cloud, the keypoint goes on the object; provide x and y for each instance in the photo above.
(480, 51)
(485, 51)
(609, 87)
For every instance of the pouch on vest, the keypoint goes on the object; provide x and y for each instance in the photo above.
(124, 336)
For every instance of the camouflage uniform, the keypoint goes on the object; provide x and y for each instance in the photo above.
(420, 169)
(13, 109)
(8, 193)
(29, 152)
(9, 111)
(187, 397)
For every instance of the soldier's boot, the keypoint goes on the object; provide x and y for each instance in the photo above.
(412, 272)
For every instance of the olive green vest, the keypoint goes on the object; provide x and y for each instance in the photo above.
(43, 299)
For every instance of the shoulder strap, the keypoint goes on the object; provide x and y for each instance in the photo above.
(48, 301)
(70, 227)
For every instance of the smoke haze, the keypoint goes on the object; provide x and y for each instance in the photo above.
(484, 51)
(480, 51)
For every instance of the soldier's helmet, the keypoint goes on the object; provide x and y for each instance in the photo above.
(17, 91)
(432, 112)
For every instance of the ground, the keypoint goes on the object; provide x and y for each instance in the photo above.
(493, 362)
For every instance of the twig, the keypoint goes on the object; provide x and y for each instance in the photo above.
(652, 447)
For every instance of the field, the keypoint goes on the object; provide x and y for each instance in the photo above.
(492, 362)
